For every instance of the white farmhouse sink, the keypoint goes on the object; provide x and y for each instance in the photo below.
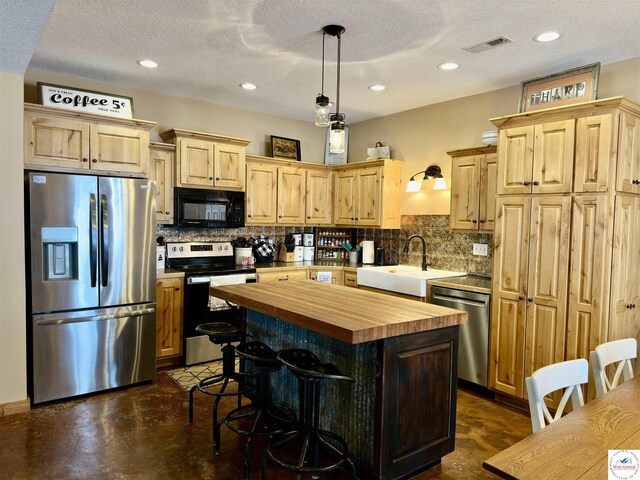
(401, 278)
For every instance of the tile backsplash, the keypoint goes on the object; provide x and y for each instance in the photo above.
(173, 234)
(446, 249)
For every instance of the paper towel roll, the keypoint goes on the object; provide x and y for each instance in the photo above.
(368, 252)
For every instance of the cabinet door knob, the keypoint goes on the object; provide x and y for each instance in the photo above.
(529, 300)
(249, 215)
(526, 184)
(535, 184)
(482, 221)
(177, 289)
(85, 160)
(308, 217)
(279, 216)
(474, 221)
(167, 213)
(520, 297)
(210, 178)
(217, 178)
(94, 160)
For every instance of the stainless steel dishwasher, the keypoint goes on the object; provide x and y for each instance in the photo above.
(473, 350)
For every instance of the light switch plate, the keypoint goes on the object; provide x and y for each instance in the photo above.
(481, 249)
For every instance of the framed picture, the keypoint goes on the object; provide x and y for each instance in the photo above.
(564, 88)
(86, 101)
(285, 148)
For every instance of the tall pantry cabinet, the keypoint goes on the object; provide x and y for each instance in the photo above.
(566, 237)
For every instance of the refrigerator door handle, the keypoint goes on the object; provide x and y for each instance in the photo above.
(104, 226)
(95, 318)
(93, 240)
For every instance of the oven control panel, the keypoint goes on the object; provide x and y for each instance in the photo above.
(199, 249)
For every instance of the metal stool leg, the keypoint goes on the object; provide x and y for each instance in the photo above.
(216, 426)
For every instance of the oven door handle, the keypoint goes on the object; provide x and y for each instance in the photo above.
(196, 280)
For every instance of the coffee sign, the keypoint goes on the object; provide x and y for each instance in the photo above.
(85, 101)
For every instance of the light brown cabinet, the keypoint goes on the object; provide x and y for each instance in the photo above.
(206, 160)
(368, 196)
(61, 139)
(282, 275)
(351, 279)
(318, 198)
(292, 184)
(536, 158)
(574, 286)
(337, 274)
(261, 197)
(162, 158)
(531, 270)
(169, 302)
(628, 179)
(473, 188)
(287, 193)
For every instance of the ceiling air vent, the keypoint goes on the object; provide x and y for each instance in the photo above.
(481, 47)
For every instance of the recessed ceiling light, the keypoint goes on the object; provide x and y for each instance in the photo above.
(248, 86)
(377, 88)
(448, 66)
(547, 37)
(147, 63)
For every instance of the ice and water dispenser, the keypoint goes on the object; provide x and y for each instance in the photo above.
(60, 249)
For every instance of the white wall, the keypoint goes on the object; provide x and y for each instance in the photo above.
(13, 369)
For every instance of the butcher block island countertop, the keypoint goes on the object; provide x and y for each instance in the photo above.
(347, 314)
(399, 416)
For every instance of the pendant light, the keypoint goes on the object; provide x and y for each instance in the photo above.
(336, 130)
(323, 106)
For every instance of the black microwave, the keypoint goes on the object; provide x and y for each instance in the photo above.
(200, 208)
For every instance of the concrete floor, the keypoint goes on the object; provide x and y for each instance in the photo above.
(142, 432)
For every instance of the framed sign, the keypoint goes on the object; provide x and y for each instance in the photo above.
(564, 88)
(86, 101)
(285, 148)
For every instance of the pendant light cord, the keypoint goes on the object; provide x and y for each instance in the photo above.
(323, 35)
(338, 86)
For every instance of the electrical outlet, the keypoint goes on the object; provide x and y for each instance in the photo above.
(481, 249)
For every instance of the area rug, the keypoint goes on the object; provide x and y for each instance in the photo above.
(187, 377)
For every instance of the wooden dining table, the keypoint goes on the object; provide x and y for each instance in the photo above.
(576, 446)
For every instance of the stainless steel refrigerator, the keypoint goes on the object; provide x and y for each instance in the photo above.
(92, 283)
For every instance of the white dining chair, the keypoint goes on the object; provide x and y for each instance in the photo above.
(622, 351)
(568, 375)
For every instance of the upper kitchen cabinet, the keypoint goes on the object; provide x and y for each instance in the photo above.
(162, 158)
(287, 193)
(57, 139)
(473, 188)
(368, 194)
(205, 160)
(582, 289)
(628, 179)
(536, 158)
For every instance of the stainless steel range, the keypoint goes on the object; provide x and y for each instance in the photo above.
(202, 262)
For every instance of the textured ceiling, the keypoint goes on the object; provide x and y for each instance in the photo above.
(207, 48)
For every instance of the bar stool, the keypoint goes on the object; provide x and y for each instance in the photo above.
(310, 371)
(265, 421)
(221, 333)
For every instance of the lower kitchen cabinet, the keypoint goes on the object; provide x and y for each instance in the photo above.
(337, 275)
(351, 279)
(169, 303)
(282, 275)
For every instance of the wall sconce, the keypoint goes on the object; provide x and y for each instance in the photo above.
(432, 171)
